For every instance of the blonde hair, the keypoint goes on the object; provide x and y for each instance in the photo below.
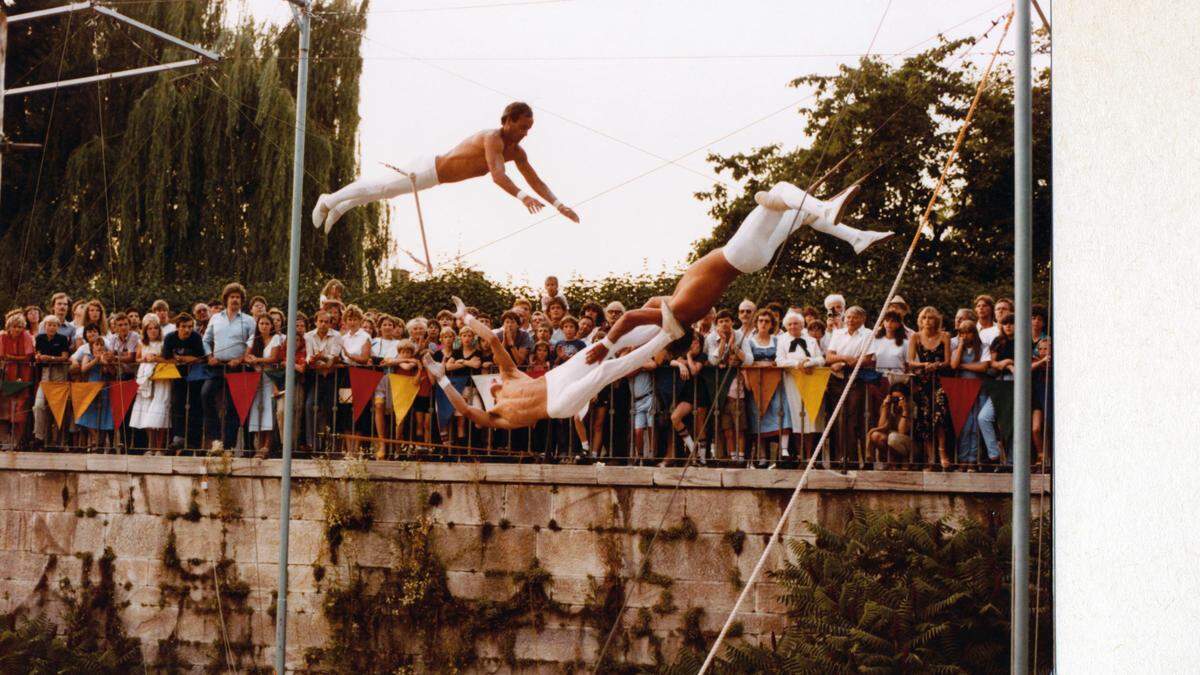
(16, 316)
(352, 312)
(929, 309)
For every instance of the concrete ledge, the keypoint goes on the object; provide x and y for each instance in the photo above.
(553, 474)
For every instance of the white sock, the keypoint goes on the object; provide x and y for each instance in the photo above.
(783, 445)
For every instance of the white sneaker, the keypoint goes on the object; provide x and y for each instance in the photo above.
(320, 212)
(460, 308)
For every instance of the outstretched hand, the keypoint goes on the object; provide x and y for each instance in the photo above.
(532, 204)
(597, 353)
(569, 213)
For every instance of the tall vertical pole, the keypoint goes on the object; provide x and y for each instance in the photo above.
(289, 393)
(1022, 394)
(3, 57)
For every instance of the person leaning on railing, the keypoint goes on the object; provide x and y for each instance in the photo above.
(725, 353)
(845, 347)
(185, 348)
(225, 342)
(264, 353)
(323, 347)
(797, 350)
(16, 356)
(53, 353)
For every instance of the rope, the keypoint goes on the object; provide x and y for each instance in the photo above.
(1037, 593)
(37, 184)
(707, 144)
(858, 364)
(813, 184)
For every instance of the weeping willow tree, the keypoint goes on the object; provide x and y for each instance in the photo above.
(185, 178)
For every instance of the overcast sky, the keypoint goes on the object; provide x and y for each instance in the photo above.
(618, 88)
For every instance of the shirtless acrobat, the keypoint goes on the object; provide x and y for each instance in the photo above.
(482, 153)
(563, 392)
(780, 212)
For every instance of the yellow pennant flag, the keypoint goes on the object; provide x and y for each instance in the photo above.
(812, 389)
(56, 394)
(165, 371)
(404, 391)
(82, 395)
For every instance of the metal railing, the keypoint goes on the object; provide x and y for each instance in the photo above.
(633, 421)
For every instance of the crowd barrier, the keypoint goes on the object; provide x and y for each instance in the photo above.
(757, 416)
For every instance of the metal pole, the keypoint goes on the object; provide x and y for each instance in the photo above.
(3, 60)
(289, 394)
(1022, 277)
(103, 77)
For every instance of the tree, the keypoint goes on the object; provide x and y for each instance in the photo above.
(185, 176)
(899, 123)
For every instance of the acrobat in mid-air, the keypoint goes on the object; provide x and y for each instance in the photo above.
(482, 153)
(521, 401)
(566, 390)
(780, 212)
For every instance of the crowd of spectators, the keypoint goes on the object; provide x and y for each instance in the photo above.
(897, 414)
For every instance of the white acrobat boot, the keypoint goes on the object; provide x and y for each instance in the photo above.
(822, 216)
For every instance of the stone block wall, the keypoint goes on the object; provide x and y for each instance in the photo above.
(180, 528)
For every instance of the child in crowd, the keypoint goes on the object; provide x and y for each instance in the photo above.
(550, 291)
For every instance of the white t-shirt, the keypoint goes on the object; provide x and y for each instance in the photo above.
(384, 348)
(889, 355)
(986, 335)
(274, 343)
(353, 343)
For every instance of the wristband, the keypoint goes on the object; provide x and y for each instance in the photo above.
(608, 344)
(444, 382)
(521, 195)
(557, 204)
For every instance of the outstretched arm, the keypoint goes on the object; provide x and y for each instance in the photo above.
(493, 152)
(539, 186)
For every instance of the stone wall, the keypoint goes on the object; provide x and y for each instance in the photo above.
(180, 527)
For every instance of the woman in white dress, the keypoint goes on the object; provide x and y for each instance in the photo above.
(263, 353)
(799, 350)
(152, 405)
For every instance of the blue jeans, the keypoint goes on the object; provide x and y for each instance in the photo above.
(987, 426)
(968, 439)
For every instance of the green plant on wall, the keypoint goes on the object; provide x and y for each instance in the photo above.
(898, 593)
(90, 639)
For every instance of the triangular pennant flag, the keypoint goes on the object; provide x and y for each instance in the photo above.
(278, 377)
(198, 372)
(165, 371)
(82, 395)
(56, 394)
(1001, 393)
(483, 385)
(763, 382)
(404, 392)
(363, 382)
(961, 393)
(120, 398)
(812, 389)
(242, 387)
(10, 387)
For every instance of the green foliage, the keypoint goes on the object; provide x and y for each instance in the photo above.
(349, 504)
(198, 162)
(898, 593)
(920, 105)
(91, 638)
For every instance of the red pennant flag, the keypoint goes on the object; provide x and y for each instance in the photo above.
(120, 398)
(362, 387)
(242, 387)
(961, 393)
